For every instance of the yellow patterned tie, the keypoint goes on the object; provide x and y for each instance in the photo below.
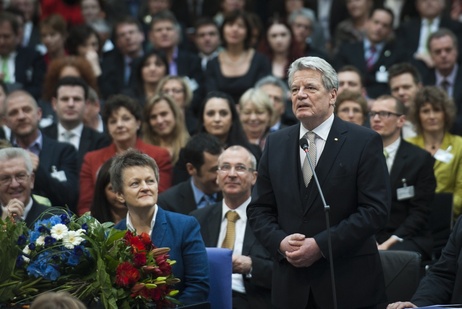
(230, 236)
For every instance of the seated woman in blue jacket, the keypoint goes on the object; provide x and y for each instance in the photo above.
(135, 179)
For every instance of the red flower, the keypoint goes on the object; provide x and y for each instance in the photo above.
(126, 274)
(139, 259)
(146, 239)
(164, 266)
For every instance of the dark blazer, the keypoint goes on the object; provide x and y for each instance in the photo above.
(409, 218)
(353, 54)
(429, 79)
(182, 235)
(38, 212)
(258, 287)
(89, 140)
(112, 78)
(443, 282)
(180, 198)
(30, 70)
(354, 178)
(62, 157)
(189, 64)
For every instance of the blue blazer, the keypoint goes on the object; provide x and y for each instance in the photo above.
(181, 234)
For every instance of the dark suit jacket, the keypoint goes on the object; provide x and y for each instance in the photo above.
(29, 71)
(354, 178)
(353, 54)
(189, 64)
(258, 288)
(409, 218)
(62, 157)
(429, 79)
(38, 212)
(180, 198)
(89, 140)
(182, 235)
(112, 79)
(443, 282)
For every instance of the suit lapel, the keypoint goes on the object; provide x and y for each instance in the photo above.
(158, 232)
(337, 136)
(249, 239)
(85, 141)
(398, 165)
(213, 229)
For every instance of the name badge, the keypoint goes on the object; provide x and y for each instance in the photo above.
(444, 155)
(381, 76)
(406, 192)
(58, 175)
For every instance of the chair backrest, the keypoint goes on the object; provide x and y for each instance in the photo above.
(402, 273)
(440, 221)
(221, 270)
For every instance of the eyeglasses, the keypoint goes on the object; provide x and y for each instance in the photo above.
(6, 180)
(383, 114)
(240, 169)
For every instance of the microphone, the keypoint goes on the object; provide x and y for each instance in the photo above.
(305, 145)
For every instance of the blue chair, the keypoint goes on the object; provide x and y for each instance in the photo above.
(221, 269)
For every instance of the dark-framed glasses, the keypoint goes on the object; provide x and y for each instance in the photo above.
(383, 114)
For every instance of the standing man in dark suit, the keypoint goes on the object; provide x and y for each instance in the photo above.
(252, 264)
(412, 182)
(287, 214)
(201, 158)
(69, 103)
(16, 184)
(117, 64)
(165, 35)
(20, 67)
(447, 73)
(54, 163)
(374, 54)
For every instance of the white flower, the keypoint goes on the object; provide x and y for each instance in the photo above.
(26, 251)
(71, 239)
(59, 231)
(40, 241)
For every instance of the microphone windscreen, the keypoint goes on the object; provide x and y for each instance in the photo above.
(304, 143)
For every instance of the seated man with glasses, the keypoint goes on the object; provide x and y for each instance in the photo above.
(16, 184)
(412, 182)
(225, 225)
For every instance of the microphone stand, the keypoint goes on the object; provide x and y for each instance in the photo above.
(305, 145)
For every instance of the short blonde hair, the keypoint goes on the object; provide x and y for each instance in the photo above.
(257, 98)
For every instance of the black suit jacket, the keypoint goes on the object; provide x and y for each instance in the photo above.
(409, 217)
(89, 140)
(112, 79)
(353, 54)
(62, 157)
(443, 282)
(258, 288)
(180, 198)
(354, 178)
(29, 71)
(429, 79)
(38, 212)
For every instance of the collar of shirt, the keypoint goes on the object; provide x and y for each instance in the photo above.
(198, 194)
(378, 46)
(35, 147)
(77, 130)
(322, 132)
(26, 209)
(275, 127)
(241, 210)
(434, 25)
(391, 150)
(153, 221)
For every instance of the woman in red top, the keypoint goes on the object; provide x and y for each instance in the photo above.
(122, 116)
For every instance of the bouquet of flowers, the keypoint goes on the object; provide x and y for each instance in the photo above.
(90, 260)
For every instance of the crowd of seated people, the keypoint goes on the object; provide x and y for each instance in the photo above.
(84, 81)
